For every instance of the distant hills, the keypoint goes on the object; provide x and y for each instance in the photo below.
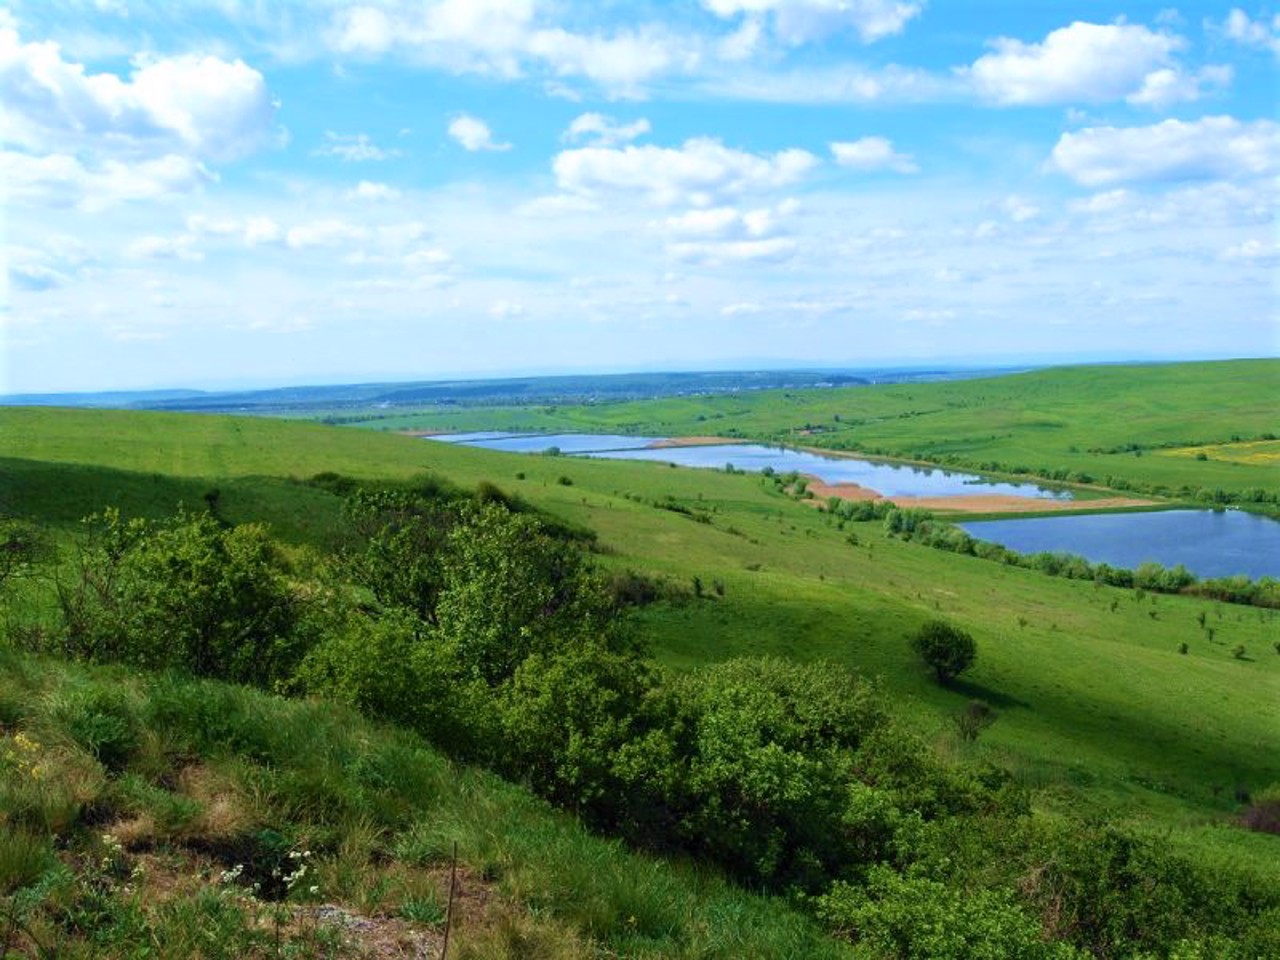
(517, 390)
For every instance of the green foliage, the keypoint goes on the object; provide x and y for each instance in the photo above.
(946, 649)
(187, 593)
(901, 917)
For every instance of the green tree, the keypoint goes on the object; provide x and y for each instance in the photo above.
(946, 649)
(185, 593)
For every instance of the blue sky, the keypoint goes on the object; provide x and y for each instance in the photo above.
(236, 192)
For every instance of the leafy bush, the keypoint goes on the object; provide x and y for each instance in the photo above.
(185, 593)
(946, 649)
(913, 918)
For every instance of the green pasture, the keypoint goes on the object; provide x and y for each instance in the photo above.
(1103, 421)
(1097, 708)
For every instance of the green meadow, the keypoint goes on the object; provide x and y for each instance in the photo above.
(1129, 423)
(1151, 712)
(1096, 704)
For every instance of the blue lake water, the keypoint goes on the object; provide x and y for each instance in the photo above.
(537, 443)
(1208, 543)
(890, 480)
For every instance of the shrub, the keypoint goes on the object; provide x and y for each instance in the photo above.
(914, 918)
(1263, 814)
(946, 649)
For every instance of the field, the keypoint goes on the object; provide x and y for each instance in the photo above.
(1128, 423)
(1098, 710)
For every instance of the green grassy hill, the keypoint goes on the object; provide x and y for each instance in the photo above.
(1130, 423)
(164, 817)
(1098, 710)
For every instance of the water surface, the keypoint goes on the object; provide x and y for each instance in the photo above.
(887, 479)
(1206, 542)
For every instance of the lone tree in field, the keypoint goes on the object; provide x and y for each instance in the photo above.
(947, 649)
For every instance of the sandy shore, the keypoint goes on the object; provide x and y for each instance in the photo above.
(973, 503)
(692, 442)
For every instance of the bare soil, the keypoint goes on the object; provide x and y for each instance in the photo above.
(973, 503)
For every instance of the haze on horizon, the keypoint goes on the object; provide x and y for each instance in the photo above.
(289, 193)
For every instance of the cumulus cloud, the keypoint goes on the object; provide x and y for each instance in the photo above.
(353, 148)
(474, 134)
(199, 106)
(801, 21)
(62, 180)
(371, 191)
(726, 234)
(557, 205)
(1256, 252)
(1087, 63)
(505, 38)
(323, 233)
(1212, 147)
(601, 131)
(34, 270)
(1261, 33)
(1019, 209)
(1163, 88)
(872, 153)
(771, 250)
(700, 172)
(182, 247)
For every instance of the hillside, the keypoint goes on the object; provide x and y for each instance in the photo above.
(1141, 426)
(1098, 713)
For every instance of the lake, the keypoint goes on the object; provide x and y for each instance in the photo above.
(887, 479)
(1206, 542)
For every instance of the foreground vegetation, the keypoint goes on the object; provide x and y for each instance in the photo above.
(1112, 716)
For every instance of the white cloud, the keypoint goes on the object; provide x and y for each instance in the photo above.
(772, 250)
(621, 63)
(60, 180)
(872, 153)
(556, 205)
(1019, 210)
(602, 131)
(1253, 33)
(355, 148)
(164, 248)
(37, 270)
(506, 309)
(1212, 147)
(1107, 202)
(369, 190)
(323, 233)
(836, 83)
(262, 230)
(1257, 252)
(801, 21)
(700, 172)
(1163, 88)
(474, 134)
(200, 106)
(503, 38)
(1083, 62)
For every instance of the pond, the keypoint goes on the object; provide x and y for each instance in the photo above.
(887, 479)
(1208, 543)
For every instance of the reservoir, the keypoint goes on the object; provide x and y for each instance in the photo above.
(886, 479)
(1207, 542)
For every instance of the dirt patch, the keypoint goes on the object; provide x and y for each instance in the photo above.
(692, 442)
(421, 433)
(972, 503)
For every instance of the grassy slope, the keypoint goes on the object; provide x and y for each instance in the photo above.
(1046, 419)
(195, 771)
(1096, 705)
